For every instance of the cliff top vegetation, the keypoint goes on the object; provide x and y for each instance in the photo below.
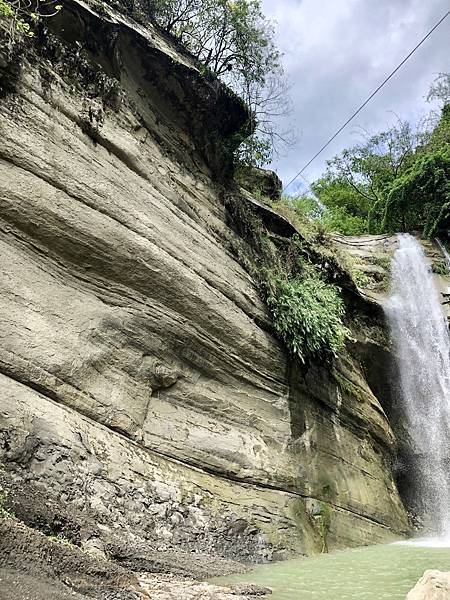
(395, 180)
(234, 41)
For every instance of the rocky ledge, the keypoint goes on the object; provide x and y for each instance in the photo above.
(39, 567)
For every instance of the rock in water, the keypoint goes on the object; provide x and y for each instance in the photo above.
(433, 585)
(250, 589)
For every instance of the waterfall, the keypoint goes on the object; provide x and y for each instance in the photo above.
(444, 252)
(421, 339)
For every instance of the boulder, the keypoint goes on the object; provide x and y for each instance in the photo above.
(261, 182)
(433, 585)
(250, 589)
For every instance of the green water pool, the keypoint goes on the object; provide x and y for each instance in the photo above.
(369, 573)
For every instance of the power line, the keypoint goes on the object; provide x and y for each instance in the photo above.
(308, 183)
(367, 101)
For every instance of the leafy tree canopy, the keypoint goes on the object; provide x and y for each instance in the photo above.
(396, 180)
(337, 192)
(420, 198)
(440, 89)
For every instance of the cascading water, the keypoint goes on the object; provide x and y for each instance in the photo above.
(420, 334)
(444, 252)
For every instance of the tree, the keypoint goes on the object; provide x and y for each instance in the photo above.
(396, 180)
(337, 192)
(420, 198)
(440, 89)
(225, 36)
(356, 183)
(268, 101)
(234, 41)
(371, 167)
(338, 220)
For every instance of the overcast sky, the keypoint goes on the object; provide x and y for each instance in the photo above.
(336, 52)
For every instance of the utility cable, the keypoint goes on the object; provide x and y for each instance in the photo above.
(368, 100)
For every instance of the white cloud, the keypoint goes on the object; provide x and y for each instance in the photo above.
(336, 52)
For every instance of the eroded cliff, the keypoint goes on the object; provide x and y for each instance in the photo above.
(143, 395)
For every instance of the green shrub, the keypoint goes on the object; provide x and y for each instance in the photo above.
(338, 220)
(293, 276)
(6, 9)
(307, 313)
(360, 278)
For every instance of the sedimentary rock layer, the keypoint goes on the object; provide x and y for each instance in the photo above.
(139, 380)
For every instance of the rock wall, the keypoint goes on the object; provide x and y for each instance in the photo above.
(140, 384)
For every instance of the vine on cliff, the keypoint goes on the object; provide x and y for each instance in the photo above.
(307, 313)
(306, 309)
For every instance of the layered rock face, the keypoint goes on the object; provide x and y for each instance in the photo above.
(140, 384)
